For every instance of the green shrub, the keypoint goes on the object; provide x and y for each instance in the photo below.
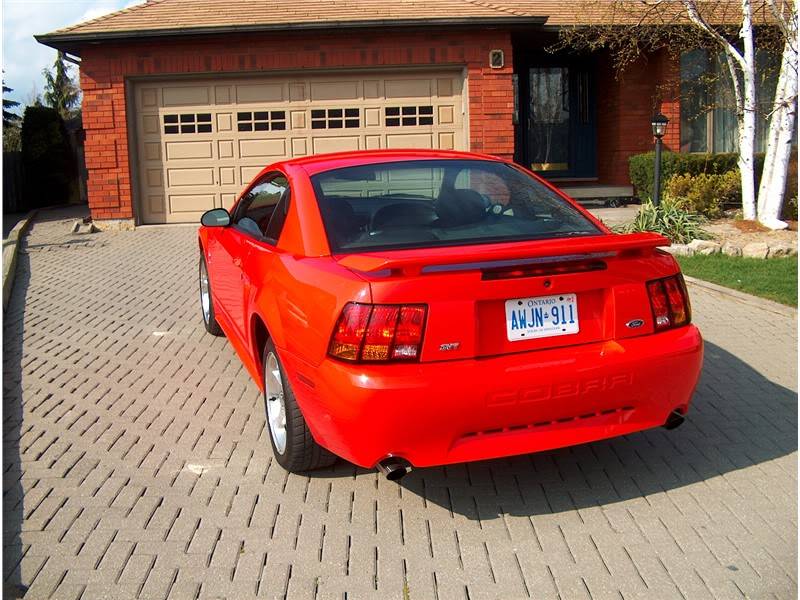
(670, 219)
(706, 193)
(680, 163)
(49, 170)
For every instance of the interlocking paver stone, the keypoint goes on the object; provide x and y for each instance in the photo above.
(136, 464)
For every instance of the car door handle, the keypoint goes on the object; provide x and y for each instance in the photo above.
(237, 262)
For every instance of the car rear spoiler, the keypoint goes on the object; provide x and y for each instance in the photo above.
(460, 258)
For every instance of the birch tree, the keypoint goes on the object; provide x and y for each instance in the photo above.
(782, 121)
(632, 28)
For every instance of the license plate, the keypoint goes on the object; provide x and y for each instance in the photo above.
(541, 316)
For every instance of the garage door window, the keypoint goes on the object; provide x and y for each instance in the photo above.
(335, 118)
(409, 116)
(263, 120)
(187, 123)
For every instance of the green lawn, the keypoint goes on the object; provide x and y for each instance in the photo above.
(774, 278)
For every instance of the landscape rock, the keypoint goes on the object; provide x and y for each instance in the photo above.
(704, 247)
(731, 249)
(781, 249)
(756, 250)
(679, 250)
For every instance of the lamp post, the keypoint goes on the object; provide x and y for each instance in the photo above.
(659, 123)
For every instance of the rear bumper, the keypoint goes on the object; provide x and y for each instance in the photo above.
(447, 412)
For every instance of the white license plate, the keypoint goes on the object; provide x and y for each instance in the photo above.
(541, 316)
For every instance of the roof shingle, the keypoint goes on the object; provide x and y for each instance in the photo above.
(202, 16)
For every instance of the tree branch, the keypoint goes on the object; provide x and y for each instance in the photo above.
(730, 50)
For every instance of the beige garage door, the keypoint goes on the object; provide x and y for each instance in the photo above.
(200, 142)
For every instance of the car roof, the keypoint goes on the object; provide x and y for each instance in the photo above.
(326, 162)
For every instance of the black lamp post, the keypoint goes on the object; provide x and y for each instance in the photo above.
(659, 124)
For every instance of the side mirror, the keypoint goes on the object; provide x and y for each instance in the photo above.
(216, 217)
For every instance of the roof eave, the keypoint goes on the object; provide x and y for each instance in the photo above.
(71, 42)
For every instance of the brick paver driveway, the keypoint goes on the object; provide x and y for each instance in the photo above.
(136, 465)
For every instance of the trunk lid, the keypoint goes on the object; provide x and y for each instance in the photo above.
(466, 290)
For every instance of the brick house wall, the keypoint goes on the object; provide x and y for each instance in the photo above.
(104, 69)
(625, 106)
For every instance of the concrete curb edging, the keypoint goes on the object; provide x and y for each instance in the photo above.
(755, 301)
(10, 251)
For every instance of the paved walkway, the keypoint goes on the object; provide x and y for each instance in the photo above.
(136, 465)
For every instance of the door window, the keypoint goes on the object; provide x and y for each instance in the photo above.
(255, 210)
(549, 119)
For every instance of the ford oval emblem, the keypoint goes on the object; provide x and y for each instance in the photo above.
(634, 324)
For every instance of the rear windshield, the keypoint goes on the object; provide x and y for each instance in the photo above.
(427, 203)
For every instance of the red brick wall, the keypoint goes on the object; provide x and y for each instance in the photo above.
(625, 107)
(104, 69)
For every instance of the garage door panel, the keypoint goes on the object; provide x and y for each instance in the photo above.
(227, 175)
(447, 141)
(263, 92)
(222, 94)
(225, 122)
(409, 140)
(334, 90)
(248, 173)
(148, 98)
(299, 147)
(186, 96)
(154, 178)
(150, 124)
(265, 148)
(322, 145)
(186, 177)
(408, 88)
(227, 200)
(225, 148)
(156, 203)
(152, 151)
(199, 142)
(190, 203)
(189, 150)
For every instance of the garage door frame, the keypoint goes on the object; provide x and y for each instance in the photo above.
(132, 83)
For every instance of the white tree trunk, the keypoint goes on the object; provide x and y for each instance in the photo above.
(781, 132)
(740, 65)
(773, 133)
(747, 118)
(783, 120)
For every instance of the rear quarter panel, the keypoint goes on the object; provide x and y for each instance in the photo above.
(299, 299)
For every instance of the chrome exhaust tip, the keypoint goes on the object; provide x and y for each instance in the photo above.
(394, 468)
(674, 420)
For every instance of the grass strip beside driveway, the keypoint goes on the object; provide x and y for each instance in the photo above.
(773, 278)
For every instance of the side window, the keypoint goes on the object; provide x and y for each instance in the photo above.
(257, 207)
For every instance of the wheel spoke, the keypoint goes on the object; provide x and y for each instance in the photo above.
(276, 408)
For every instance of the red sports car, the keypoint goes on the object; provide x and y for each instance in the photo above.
(415, 308)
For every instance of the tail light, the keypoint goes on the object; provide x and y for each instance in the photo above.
(379, 332)
(670, 302)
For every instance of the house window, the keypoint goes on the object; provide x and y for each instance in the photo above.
(708, 104)
(408, 116)
(263, 120)
(187, 123)
(335, 118)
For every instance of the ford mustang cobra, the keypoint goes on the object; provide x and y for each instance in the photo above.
(415, 308)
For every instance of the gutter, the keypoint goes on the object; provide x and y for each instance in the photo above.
(67, 40)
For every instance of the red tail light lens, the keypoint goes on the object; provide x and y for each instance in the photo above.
(349, 332)
(670, 302)
(378, 333)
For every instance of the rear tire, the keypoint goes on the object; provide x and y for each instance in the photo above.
(292, 443)
(206, 301)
